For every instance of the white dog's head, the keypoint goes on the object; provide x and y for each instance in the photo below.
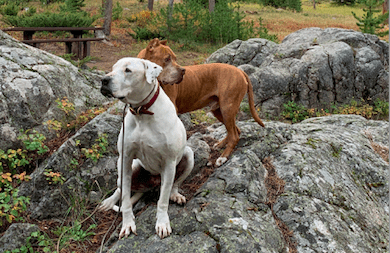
(131, 80)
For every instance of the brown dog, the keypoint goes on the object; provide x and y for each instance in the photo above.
(220, 86)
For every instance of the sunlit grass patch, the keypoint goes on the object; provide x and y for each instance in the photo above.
(283, 22)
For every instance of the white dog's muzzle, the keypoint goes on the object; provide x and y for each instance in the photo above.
(106, 89)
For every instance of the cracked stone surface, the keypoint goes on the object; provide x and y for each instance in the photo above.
(30, 82)
(335, 195)
(335, 189)
(16, 235)
(314, 67)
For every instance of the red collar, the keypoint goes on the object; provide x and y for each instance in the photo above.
(143, 109)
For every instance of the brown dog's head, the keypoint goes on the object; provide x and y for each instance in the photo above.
(158, 52)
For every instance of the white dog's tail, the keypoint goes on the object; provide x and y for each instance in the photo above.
(134, 199)
(115, 208)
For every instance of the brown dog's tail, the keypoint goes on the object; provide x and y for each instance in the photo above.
(252, 102)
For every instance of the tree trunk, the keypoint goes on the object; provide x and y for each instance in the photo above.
(211, 5)
(107, 7)
(170, 10)
(170, 4)
(385, 6)
(314, 4)
(150, 5)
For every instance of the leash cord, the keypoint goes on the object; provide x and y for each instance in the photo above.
(122, 153)
(120, 187)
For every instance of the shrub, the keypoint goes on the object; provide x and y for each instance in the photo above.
(142, 33)
(226, 24)
(70, 15)
(16, 2)
(178, 23)
(11, 205)
(72, 6)
(98, 149)
(11, 9)
(295, 112)
(143, 18)
(49, 19)
(190, 21)
(379, 110)
(117, 11)
(262, 32)
(146, 27)
(12, 159)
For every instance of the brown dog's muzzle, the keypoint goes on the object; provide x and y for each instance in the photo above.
(182, 72)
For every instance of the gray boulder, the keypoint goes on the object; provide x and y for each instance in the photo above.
(314, 67)
(30, 82)
(309, 186)
(16, 235)
(315, 186)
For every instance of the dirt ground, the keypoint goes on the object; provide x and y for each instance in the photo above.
(104, 54)
(118, 45)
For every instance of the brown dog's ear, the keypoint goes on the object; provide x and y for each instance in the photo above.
(163, 42)
(152, 44)
(156, 42)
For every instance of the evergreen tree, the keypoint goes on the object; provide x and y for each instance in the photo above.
(370, 23)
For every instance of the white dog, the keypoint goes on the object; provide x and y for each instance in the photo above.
(154, 139)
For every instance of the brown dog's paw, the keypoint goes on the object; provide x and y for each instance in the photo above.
(221, 160)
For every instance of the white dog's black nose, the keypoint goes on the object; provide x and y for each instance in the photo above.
(105, 89)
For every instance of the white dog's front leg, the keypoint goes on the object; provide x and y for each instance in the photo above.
(163, 226)
(128, 219)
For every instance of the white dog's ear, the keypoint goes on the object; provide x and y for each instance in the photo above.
(152, 70)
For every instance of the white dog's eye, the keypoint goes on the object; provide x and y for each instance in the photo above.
(127, 70)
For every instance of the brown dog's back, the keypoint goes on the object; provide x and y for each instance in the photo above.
(218, 85)
(209, 83)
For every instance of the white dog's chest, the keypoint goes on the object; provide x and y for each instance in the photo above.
(153, 145)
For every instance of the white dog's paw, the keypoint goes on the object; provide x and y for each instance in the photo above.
(163, 226)
(178, 198)
(221, 160)
(108, 204)
(128, 226)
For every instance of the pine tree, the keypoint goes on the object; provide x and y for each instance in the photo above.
(370, 23)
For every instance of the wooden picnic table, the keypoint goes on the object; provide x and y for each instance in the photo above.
(83, 44)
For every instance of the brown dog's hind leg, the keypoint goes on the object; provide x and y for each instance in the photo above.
(232, 136)
(217, 113)
(183, 169)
